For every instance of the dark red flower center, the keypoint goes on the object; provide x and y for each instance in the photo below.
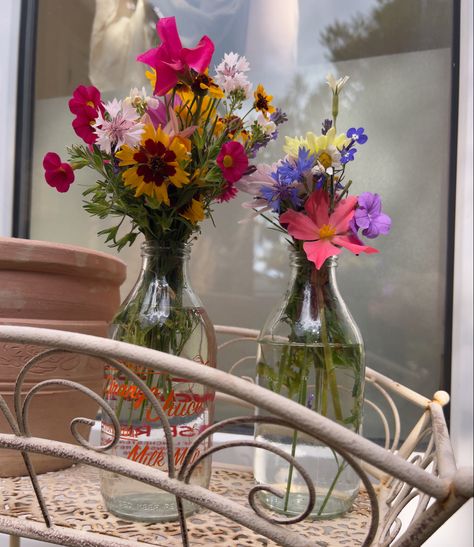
(261, 103)
(154, 161)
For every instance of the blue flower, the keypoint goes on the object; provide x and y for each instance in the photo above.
(357, 135)
(280, 191)
(347, 154)
(295, 170)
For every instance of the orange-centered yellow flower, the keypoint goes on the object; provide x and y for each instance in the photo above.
(326, 231)
(155, 164)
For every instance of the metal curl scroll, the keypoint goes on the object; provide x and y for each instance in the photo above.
(188, 467)
(76, 421)
(21, 411)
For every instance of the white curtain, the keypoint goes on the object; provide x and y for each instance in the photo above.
(120, 32)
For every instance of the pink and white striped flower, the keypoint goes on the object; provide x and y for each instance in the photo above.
(118, 125)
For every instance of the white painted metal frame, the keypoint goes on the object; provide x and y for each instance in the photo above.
(392, 475)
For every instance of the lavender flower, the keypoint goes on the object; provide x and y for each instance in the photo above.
(327, 124)
(369, 217)
(278, 117)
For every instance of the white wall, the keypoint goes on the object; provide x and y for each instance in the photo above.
(9, 34)
(462, 355)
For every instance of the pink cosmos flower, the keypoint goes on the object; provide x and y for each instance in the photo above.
(171, 60)
(233, 161)
(86, 104)
(324, 234)
(59, 175)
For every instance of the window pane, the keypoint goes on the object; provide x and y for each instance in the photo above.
(398, 55)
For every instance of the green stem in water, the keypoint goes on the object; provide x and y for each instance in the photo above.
(328, 363)
(290, 472)
(331, 488)
(302, 400)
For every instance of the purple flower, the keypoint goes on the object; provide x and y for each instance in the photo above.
(369, 217)
(278, 117)
(357, 135)
(347, 154)
(280, 191)
(295, 170)
(327, 124)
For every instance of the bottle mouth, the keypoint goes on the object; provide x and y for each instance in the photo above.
(177, 249)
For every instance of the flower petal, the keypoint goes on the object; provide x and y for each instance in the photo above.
(199, 57)
(168, 32)
(343, 214)
(350, 244)
(318, 251)
(317, 206)
(51, 161)
(166, 79)
(299, 225)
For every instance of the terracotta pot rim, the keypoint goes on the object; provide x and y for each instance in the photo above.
(45, 323)
(45, 256)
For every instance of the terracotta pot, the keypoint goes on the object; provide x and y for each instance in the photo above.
(62, 287)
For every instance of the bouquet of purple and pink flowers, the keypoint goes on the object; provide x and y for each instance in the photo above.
(308, 192)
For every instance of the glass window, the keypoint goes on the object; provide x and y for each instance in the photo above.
(398, 55)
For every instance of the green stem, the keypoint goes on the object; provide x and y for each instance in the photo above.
(290, 472)
(302, 395)
(331, 488)
(328, 363)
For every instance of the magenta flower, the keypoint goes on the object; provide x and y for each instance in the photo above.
(230, 191)
(86, 101)
(369, 217)
(324, 234)
(171, 60)
(233, 161)
(86, 104)
(59, 175)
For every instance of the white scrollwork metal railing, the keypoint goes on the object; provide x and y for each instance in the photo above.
(392, 475)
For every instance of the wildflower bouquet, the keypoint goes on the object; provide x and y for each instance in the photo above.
(308, 192)
(310, 348)
(163, 159)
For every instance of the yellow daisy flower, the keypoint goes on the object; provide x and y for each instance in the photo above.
(325, 148)
(195, 212)
(203, 84)
(154, 164)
